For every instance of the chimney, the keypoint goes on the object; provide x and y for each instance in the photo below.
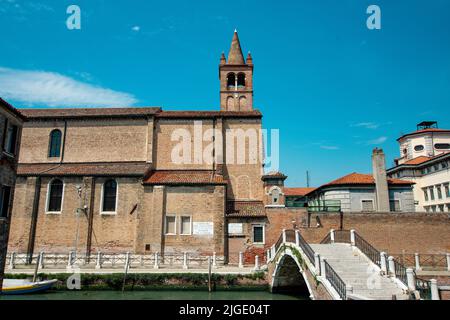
(381, 185)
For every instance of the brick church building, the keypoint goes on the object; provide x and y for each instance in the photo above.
(122, 179)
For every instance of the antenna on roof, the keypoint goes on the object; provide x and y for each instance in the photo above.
(307, 178)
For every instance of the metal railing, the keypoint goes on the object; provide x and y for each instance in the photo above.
(427, 261)
(279, 243)
(400, 272)
(369, 250)
(108, 260)
(424, 288)
(335, 281)
(309, 252)
(327, 239)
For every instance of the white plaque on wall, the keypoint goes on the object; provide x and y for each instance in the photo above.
(235, 228)
(203, 228)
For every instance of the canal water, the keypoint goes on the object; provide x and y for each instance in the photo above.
(155, 295)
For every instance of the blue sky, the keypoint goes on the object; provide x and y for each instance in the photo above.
(334, 88)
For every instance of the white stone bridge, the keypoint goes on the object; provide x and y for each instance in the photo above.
(343, 266)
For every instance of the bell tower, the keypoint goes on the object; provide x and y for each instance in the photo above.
(236, 79)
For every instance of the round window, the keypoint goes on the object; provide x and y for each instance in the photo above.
(419, 147)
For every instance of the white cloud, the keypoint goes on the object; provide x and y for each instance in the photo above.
(377, 140)
(136, 28)
(43, 88)
(367, 125)
(329, 147)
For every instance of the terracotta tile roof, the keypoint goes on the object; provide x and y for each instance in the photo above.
(184, 177)
(297, 191)
(418, 160)
(131, 112)
(274, 174)
(209, 114)
(423, 131)
(359, 178)
(50, 113)
(245, 209)
(83, 169)
(11, 109)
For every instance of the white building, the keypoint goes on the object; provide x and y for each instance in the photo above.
(425, 160)
(357, 192)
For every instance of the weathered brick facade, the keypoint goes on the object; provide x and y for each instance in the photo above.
(11, 122)
(136, 148)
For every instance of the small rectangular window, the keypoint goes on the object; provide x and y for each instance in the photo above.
(170, 225)
(5, 195)
(258, 234)
(447, 191)
(431, 193)
(367, 205)
(185, 227)
(395, 205)
(11, 139)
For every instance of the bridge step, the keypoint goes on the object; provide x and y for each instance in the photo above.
(355, 269)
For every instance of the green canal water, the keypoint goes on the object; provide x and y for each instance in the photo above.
(155, 295)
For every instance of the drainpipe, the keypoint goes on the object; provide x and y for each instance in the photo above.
(34, 217)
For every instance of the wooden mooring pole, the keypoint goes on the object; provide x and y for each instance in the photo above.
(36, 268)
(209, 274)
(127, 264)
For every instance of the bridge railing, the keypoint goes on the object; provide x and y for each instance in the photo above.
(306, 249)
(424, 288)
(397, 269)
(373, 254)
(400, 272)
(294, 236)
(335, 281)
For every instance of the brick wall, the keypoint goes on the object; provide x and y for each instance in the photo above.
(396, 233)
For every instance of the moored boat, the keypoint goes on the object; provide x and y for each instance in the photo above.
(24, 286)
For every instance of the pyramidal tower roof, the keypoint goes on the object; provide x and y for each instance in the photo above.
(235, 55)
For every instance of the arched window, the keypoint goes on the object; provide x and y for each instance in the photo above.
(241, 80)
(54, 148)
(231, 80)
(109, 196)
(55, 194)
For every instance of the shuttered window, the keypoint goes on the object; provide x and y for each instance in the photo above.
(367, 205)
(109, 196)
(54, 148)
(170, 225)
(258, 234)
(55, 194)
(185, 227)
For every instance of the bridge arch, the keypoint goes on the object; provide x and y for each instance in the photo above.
(289, 275)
